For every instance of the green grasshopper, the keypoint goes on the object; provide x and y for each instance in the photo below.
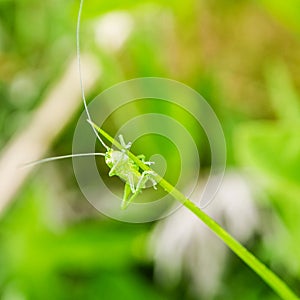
(120, 165)
(126, 169)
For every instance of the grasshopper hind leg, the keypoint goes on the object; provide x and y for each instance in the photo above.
(127, 192)
(146, 175)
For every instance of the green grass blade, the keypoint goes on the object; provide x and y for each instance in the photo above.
(277, 284)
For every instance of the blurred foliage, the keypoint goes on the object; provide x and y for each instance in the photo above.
(84, 260)
(287, 12)
(53, 245)
(31, 36)
(272, 149)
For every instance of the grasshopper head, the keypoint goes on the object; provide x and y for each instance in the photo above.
(112, 157)
(108, 158)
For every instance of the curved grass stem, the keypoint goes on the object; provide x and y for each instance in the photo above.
(277, 284)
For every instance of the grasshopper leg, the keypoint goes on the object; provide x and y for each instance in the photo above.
(123, 144)
(140, 185)
(142, 157)
(127, 191)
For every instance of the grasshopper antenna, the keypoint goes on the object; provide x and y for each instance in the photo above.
(80, 74)
(41, 161)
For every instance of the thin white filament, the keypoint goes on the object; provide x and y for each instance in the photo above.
(80, 73)
(41, 161)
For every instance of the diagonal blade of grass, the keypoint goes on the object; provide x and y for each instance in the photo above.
(278, 285)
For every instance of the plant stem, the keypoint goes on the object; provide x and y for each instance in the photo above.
(278, 285)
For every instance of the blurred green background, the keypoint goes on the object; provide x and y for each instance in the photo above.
(242, 56)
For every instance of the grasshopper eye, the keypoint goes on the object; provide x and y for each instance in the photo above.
(108, 159)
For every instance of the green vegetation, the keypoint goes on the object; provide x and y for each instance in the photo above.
(243, 57)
